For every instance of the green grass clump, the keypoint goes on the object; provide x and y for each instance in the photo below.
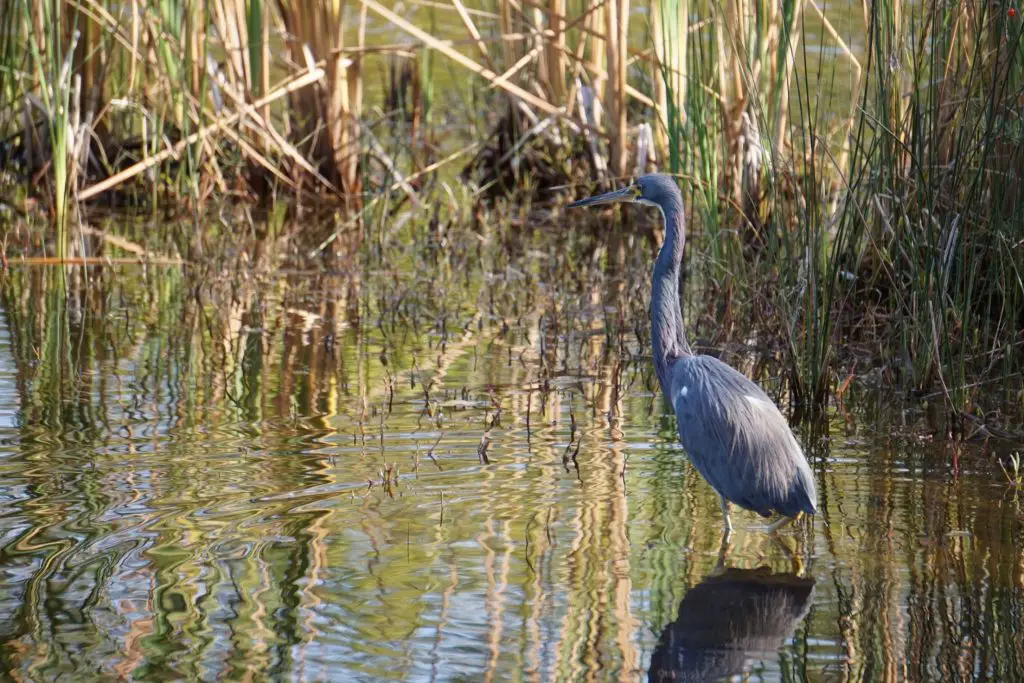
(896, 229)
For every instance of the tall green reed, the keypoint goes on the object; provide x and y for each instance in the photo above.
(947, 181)
(51, 56)
(929, 201)
(893, 229)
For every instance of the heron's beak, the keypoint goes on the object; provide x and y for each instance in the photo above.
(626, 194)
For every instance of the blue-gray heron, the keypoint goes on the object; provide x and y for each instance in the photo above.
(733, 433)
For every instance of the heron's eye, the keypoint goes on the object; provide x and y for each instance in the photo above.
(636, 189)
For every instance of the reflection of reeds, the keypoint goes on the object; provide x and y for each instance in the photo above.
(247, 562)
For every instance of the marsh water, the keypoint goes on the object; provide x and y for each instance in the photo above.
(450, 464)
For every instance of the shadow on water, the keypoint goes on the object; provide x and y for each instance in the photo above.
(458, 470)
(729, 623)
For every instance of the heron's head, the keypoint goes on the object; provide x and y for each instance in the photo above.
(654, 190)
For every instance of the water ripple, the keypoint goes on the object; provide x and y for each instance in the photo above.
(167, 519)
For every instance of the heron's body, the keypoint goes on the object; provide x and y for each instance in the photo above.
(737, 439)
(733, 433)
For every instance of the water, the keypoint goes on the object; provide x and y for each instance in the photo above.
(450, 469)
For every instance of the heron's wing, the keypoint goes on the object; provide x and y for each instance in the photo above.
(738, 440)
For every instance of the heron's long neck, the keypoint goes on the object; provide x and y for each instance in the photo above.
(666, 318)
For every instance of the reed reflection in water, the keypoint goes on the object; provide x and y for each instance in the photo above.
(290, 477)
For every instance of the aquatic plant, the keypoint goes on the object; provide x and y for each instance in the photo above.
(1014, 474)
(869, 196)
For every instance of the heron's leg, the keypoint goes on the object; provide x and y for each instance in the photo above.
(778, 524)
(726, 522)
(723, 553)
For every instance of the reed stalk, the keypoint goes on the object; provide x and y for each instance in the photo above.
(670, 31)
(51, 64)
(328, 117)
(617, 30)
(901, 208)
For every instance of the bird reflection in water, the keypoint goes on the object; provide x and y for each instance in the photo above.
(730, 621)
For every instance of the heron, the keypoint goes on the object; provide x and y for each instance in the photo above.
(732, 432)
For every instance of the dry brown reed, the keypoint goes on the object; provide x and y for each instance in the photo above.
(329, 116)
(156, 71)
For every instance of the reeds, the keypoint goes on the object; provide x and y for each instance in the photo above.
(888, 212)
(144, 77)
(860, 223)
